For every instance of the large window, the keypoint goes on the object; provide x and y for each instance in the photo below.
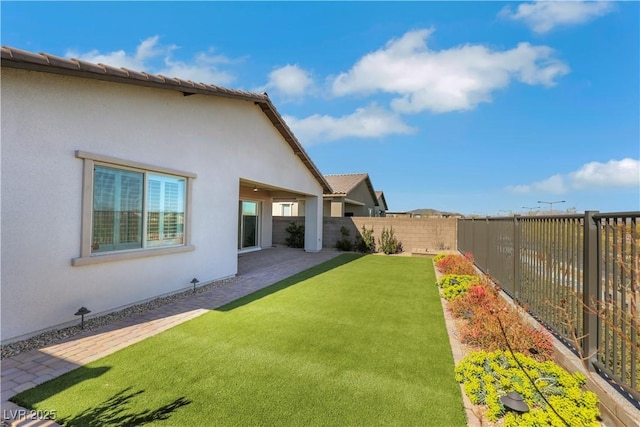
(117, 209)
(132, 209)
(165, 210)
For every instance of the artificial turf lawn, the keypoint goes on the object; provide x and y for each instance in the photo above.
(354, 341)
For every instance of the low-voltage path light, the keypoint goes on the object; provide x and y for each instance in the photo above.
(194, 282)
(515, 402)
(81, 312)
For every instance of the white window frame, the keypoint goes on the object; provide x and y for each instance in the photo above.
(86, 256)
(258, 225)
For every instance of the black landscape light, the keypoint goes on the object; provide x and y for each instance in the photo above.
(81, 312)
(515, 402)
(194, 281)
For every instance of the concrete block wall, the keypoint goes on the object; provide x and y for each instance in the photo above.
(280, 224)
(418, 235)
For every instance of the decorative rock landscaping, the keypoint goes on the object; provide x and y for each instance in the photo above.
(55, 335)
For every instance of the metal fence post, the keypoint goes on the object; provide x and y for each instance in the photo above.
(590, 287)
(487, 257)
(472, 247)
(516, 258)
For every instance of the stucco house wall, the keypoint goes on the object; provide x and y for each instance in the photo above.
(295, 208)
(362, 194)
(47, 117)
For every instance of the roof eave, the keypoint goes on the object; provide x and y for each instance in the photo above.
(372, 191)
(16, 58)
(278, 122)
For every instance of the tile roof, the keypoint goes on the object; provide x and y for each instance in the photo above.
(343, 183)
(43, 62)
(380, 197)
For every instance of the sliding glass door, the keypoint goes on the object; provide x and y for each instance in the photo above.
(248, 225)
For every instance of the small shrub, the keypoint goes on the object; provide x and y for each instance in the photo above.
(479, 294)
(388, 242)
(366, 243)
(344, 244)
(486, 376)
(456, 285)
(296, 235)
(438, 257)
(456, 264)
(479, 307)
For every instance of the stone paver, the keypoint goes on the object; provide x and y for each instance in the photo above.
(256, 270)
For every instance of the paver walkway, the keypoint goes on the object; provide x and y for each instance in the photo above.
(256, 270)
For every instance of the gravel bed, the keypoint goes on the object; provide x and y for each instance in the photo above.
(56, 335)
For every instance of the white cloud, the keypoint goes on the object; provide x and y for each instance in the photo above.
(118, 58)
(369, 122)
(553, 185)
(614, 173)
(544, 16)
(152, 57)
(203, 70)
(289, 81)
(593, 175)
(447, 80)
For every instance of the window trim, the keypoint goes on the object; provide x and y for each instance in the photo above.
(258, 216)
(86, 256)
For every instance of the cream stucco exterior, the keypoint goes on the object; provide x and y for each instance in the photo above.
(229, 145)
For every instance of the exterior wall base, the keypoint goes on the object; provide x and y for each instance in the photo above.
(107, 312)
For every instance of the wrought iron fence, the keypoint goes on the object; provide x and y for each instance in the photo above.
(579, 275)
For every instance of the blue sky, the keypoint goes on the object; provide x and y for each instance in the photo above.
(472, 107)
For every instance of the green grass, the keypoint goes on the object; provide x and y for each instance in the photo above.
(354, 341)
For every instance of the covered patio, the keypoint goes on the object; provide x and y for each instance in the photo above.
(255, 216)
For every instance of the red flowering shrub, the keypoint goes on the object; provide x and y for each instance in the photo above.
(479, 297)
(456, 264)
(479, 309)
(479, 306)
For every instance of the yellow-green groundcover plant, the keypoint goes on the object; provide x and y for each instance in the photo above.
(455, 285)
(488, 376)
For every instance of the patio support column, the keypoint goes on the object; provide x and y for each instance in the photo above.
(313, 224)
(267, 223)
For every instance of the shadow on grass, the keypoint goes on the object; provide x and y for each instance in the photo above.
(290, 281)
(114, 412)
(31, 397)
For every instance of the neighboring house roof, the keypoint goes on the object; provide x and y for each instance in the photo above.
(17, 58)
(380, 198)
(342, 184)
